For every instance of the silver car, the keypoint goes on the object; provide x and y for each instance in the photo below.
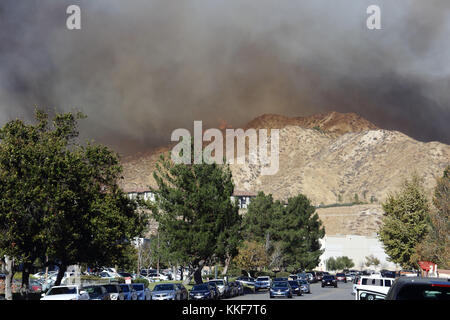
(304, 285)
(166, 291)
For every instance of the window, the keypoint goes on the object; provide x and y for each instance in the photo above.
(387, 283)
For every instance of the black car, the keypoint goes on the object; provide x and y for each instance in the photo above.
(234, 290)
(215, 289)
(418, 288)
(202, 292)
(240, 288)
(295, 285)
(97, 293)
(329, 280)
(388, 274)
(184, 293)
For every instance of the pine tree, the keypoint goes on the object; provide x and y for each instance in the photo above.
(404, 223)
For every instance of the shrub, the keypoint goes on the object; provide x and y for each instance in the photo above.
(140, 280)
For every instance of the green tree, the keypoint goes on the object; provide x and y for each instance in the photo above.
(252, 256)
(60, 199)
(344, 262)
(331, 264)
(436, 244)
(371, 260)
(404, 223)
(194, 211)
(299, 229)
(258, 221)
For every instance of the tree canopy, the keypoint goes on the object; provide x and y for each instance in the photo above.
(195, 213)
(404, 223)
(60, 199)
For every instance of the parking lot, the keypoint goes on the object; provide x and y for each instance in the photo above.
(342, 292)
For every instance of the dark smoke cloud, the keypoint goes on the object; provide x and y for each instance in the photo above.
(140, 69)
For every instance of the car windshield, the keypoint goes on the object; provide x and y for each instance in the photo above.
(328, 277)
(262, 279)
(164, 287)
(110, 288)
(212, 284)
(293, 283)
(138, 287)
(280, 284)
(303, 282)
(200, 287)
(62, 290)
(218, 282)
(424, 292)
(93, 291)
(340, 275)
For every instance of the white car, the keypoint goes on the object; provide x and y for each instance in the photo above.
(372, 283)
(65, 293)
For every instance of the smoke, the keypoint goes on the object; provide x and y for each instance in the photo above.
(140, 69)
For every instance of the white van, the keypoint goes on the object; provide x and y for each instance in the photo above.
(372, 283)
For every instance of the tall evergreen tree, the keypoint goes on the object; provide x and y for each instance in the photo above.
(299, 229)
(195, 213)
(404, 223)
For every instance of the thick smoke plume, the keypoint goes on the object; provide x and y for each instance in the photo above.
(140, 69)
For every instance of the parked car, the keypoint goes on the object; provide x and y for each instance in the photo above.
(234, 290)
(108, 275)
(166, 291)
(97, 292)
(35, 285)
(312, 276)
(373, 283)
(418, 288)
(215, 288)
(201, 292)
(319, 275)
(304, 286)
(295, 286)
(128, 291)
(65, 293)
(388, 274)
(184, 293)
(292, 277)
(263, 283)
(240, 288)
(246, 280)
(281, 279)
(341, 277)
(115, 292)
(125, 275)
(142, 292)
(223, 287)
(349, 276)
(280, 289)
(329, 280)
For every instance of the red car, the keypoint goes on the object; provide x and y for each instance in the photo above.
(341, 277)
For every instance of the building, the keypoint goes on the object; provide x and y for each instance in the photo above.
(355, 247)
(243, 197)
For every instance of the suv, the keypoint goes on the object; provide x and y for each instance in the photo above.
(224, 289)
(410, 288)
(371, 283)
(262, 283)
(65, 293)
(329, 280)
